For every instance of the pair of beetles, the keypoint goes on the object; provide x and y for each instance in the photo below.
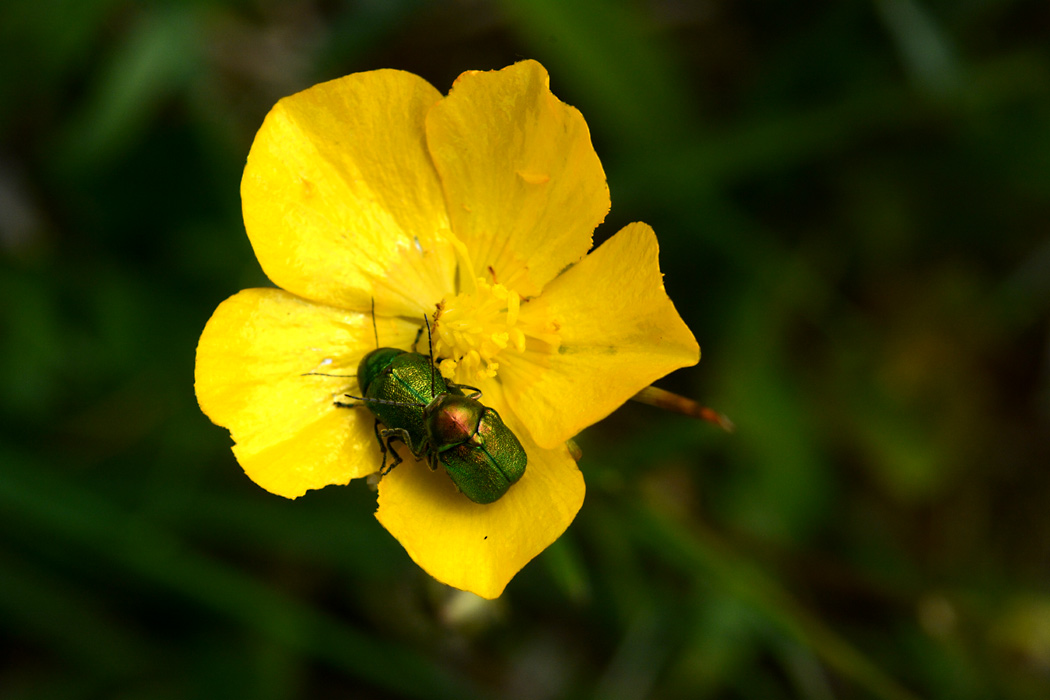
(436, 420)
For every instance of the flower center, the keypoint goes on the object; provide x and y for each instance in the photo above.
(470, 331)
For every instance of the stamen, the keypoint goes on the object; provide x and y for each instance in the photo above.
(472, 329)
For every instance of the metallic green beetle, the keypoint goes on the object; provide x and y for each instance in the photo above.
(436, 420)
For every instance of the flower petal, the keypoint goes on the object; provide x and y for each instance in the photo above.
(525, 188)
(619, 332)
(341, 201)
(479, 548)
(251, 362)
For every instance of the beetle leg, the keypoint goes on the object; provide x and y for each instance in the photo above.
(419, 334)
(391, 434)
(401, 434)
(397, 460)
(382, 448)
(386, 439)
(477, 392)
(388, 448)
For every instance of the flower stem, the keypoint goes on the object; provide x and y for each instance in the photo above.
(668, 401)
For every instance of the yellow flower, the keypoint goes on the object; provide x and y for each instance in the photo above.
(476, 209)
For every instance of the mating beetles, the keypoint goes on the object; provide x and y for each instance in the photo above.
(436, 420)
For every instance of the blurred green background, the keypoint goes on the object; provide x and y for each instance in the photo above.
(853, 205)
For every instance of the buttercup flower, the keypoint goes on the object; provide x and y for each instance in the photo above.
(476, 210)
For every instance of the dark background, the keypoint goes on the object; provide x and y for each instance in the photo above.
(853, 204)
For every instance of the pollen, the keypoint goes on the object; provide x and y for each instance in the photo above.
(471, 330)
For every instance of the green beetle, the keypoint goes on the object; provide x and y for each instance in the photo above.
(437, 421)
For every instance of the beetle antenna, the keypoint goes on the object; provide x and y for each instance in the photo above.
(385, 402)
(430, 344)
(324, 374)
(375, 330)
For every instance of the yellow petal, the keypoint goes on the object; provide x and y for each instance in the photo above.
(341, 201)
(474, 547)
(525, 188)
(251, 362)
(619, 332)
